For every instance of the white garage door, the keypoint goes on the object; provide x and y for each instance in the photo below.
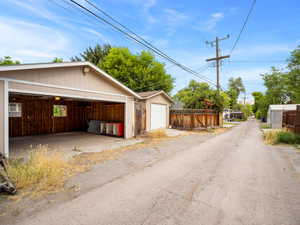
(158, 116)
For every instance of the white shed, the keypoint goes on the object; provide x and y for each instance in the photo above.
(275, 113)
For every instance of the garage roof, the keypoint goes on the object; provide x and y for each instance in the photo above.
(151, 94)
(283, 107)
(66, 64)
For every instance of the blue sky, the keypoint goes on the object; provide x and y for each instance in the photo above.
(39, 30)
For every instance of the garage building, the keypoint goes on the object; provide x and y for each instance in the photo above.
(50, 98)
(275, 114)
(157, 108)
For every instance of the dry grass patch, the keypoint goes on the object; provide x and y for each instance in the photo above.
(220, 130)
(211, 131)
(158, 134)
(271, 136)
(44, 172)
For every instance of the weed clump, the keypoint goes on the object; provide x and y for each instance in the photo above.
(271, 136)
(44, 171)
(160, 133)
(281, 136)
(265, 126)
(288, 137)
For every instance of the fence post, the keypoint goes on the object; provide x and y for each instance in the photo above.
(284, 119)
(193, 121)
(206, 119)
(220, 118)
(297, 120)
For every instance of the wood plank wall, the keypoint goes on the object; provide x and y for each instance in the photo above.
(193, 118)
(37, 115)
(291, 120)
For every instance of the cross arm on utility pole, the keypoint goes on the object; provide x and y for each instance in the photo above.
(218, 58)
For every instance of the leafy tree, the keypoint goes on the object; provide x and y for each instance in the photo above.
(261, 104)
(237, 85)
(196, 94)
(57, 60)
(275, 82)
(233, 97)
(294, 60)
(293, 85)
(94, 55)
(257, 96)
(140, 72)
(7, 60)
(293, 77)
(246, 109)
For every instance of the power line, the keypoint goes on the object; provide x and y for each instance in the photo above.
(243, 27)
(140, 41)
(129, 30)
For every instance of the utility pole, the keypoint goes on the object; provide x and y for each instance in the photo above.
(218, 58)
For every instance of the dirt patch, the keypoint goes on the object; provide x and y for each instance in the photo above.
(210, 131)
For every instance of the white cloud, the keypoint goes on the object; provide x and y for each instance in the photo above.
(31, 42)
(173, 19)
(149, 3)
(102, 37)
(42, 10)
(174, 16)
(36, 8)
(217, 16)
(212, 22)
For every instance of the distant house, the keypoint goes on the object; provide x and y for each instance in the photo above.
(229, 114)
(275, 114)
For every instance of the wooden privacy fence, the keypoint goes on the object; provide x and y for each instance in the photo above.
(291, 120)
(194, 118)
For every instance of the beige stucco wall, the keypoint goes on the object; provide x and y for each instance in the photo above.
(159, 99)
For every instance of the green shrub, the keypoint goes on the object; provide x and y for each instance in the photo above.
(288, 137)
(258, 115)
(265, 126)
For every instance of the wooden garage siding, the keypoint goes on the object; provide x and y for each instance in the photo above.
(37, 116)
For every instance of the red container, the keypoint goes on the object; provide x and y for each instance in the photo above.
(120, 129)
